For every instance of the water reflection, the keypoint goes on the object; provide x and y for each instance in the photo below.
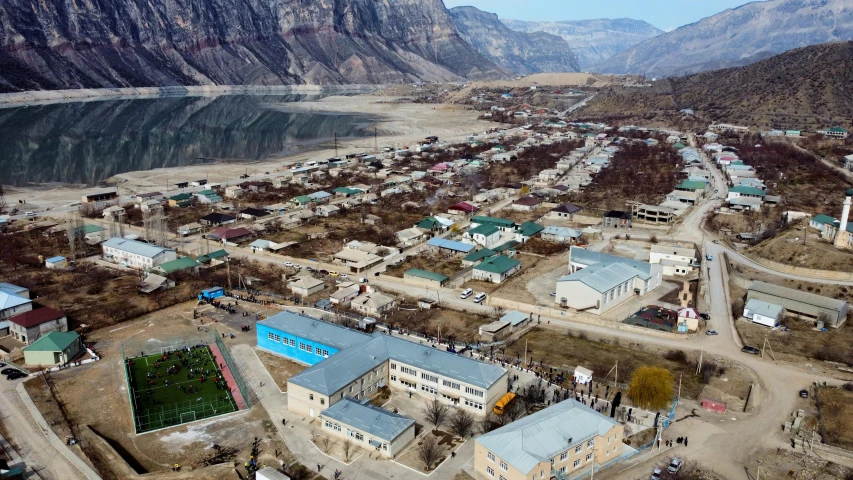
(87, 142)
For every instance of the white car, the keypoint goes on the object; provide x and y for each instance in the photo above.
(344, 276)
(479, 297)
(288, 264)
(656, 474)
(674, 465)
(466, 293)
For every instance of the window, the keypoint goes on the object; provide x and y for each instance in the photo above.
(562, 469)
(408, 370)
(473, 404)
(393, 366)
(321, 352)
(501, 477)
(590, 443)
(359, 437)
(274, 337)
(504, 466)
(322, 401)
(472, 391)
(577, 463)
(429, 378)
(490, 456)
(564, 455)
(608, 439)
(385, 447)
(328, 424)
(393, 378)
(490, 471)
(588, 457)
(310, 396)
(429, 389)
(579, 449)
(448, 383)
(305, 347)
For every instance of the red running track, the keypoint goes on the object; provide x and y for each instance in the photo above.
(229, 378)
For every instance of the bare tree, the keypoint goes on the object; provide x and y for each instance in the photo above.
(428, 451)
(347, 449)
(461, 422)
(314, 433)
(326, 442)
(436, 412)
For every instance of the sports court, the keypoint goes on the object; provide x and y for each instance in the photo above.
(180, 384)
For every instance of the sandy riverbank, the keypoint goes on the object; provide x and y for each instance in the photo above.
(399, 124)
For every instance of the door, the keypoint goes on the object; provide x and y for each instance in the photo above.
(311, 412)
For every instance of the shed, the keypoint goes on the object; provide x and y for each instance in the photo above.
(494, 331)
(56, 263)
(762, 312)
(808, 306)
(516, 319)
(212, 293)
(425, 277)
(55, 348)
(583, 375)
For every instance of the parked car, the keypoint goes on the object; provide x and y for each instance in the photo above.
(324, 272)
(656, 474)
(705, 316)
(674, 465)
(334, 274)
(750, 349)
(31, 214)
(709, 258)
(804, 393)
(480, 297)
(466, 293)
(553, 294)
(716, 241)
(2, 364)
(362, 280)
(16, 375)
(710, 332)
(344, 276)
(288, 264)
(7, 371)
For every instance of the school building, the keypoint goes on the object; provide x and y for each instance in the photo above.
(347, 364)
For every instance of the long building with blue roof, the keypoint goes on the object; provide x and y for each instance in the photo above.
(345, 363)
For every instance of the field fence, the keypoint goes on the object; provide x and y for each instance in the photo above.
(238, 370)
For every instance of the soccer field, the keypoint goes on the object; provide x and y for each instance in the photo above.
(177, 387)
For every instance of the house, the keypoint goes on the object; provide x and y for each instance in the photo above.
(496, 269)
(673, 260)
(175, 266)
(231, 235)
(55, 348)
(425, 278)
(373, 304)
(692, 186)
(208, 196)
(410, 236)
(189, 229)
(144, 197)
(114, 211)
(502, 224)
(29, 326)
(234, 191)
(135, 254)
(561, 234)
(320, 196)
(526, 204)
(327, 210)
(835, 132)
(475, 258)
(153, 282)
(306, 286)
(764, 313)
(14, 303)
(688, 320)
(463, 208)
(745, 192)
(300, 201)
(820, 221)
(582, 376)
(345, 293)
(357, 260)
(450, 246)
(253, 213)
(549, 176)
(150, 205)
(254, 186)
(212, 219)
(368, 427)
(527, 230)
(565, 211)
(181, 200)
(56, 263)
(599, 282)
(485, 235)
(805, 305)
(560, 441)
(347, 363)
(212, 259)
(616, 219)
(494, 331)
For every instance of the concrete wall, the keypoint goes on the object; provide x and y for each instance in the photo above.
(34, 333)
(421, 282)
(804, 272)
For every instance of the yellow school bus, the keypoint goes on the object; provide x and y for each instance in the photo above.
(504, 402)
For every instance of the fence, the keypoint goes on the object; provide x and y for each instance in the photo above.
(613, 462)
(235, 370)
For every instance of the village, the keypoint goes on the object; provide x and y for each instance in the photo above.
(402, 311)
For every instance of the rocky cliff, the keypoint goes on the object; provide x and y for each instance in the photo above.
(593, 41)
(520, 52)
(738, 36)
(131, 43)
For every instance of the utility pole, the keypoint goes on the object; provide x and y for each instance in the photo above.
(375, 140)
(525, 351)
(228, 266)
(592, 467)
(679, 385)
(336, 144)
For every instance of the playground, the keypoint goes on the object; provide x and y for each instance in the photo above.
(180, 384)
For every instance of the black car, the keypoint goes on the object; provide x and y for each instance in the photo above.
(750, 349)
(705, 316)
(7, 371)
(804, 393)
(16, 375)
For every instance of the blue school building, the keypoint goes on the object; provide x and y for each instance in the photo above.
(304, 339)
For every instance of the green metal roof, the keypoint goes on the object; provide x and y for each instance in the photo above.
(428, 223)
(528, 229)
(485, 230)
(178, 265)
(417, 272)
(53, 342)
(217, 254)
(747, 190)
(837, 130)
(823, 219)
(692, 185)
(506, 246)
(479, 255)
(181, 196)
(498, 222)
(301, 199)
(499, 264)
(87, 229)
(346, 190)
(679, 146)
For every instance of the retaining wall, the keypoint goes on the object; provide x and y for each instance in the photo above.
(801, 271)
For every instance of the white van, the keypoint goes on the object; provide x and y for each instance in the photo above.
(480, 297)
(466, 293)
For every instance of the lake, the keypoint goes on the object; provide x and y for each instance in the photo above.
(88, 142)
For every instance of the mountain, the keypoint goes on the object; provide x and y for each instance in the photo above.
(802, 89)
(523, 53)
(61, 44)
(593, 40)
(755, 30)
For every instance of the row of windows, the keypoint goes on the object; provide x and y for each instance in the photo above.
(448, 383)
(277, 338)
(472, 391)
(429, 378)
(407, 370)
(429, 389)
(473, 404)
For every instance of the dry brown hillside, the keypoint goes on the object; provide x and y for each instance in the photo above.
(805, 89)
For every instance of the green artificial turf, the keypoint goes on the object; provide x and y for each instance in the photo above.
(159, 405)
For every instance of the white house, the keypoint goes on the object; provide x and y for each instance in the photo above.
(485, 235)
(674, 260)
(234, 191)
(327, 210)
(763, 313)
(134, 254)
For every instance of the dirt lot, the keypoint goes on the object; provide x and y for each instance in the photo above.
(836, 416)
(514, 284)
(519, 216)
(430, 261)
(566, 352)
(801, 339)
(447, 443)
(788, 248)
(785, 463)
(534, 284)
(96, 395)
(461, 326)
(279, 368)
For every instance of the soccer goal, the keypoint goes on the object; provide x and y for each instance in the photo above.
(187, 417)
(165, 350)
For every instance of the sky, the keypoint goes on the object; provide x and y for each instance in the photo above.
(664, 14)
